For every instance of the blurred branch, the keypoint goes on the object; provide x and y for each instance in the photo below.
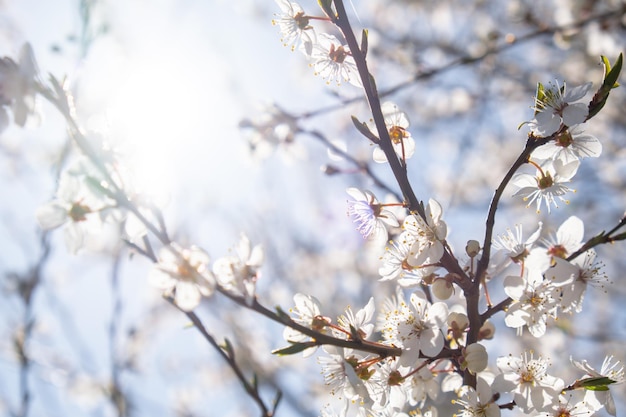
(468, 59)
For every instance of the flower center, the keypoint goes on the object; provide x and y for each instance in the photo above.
(301, 20)
(545, 181)
(558, 251)
(396, 134)
(338, 54)
(78, 212)
(564, 139)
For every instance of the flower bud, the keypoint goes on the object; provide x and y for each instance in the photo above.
(486, 331)
(442, 288)
(472, 248)
(474, 358)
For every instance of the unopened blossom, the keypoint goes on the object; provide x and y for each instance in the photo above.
(559, 107)
(568, 238)
(442, 288)
(585, 272)
(333, 62)
(415, 326)
(428, 235)
(397, 123)
(612, 369)
(369, 215)
(18, 87)
(474, 358)
(294, 26)
(458, 324)
(477, 402)
(526, 377)
(184, 275)
(239, 272)
(569, 146)
(549, 184)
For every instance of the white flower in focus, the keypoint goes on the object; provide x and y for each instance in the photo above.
(333, 61)
(294, 26)
(569, 146)
(397, 124)
(414, 327)
(566, 407)
(477, 403)
(514, 246)
(359, 321)
(548, 185)
(239, 273)
(559, 107)
(534, 298)
(611, 369)
(569, 237)
(18, 86)
(422, 385)
(396, 263)
(307, 313)
(584, 272)
(428, 236)
(346, 375)
(369, 215)
(527, 378)
(183, 274)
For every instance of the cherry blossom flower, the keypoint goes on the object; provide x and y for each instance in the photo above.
(427, 235)
(422, 384)
(535, 299)
(78, 205)
(239, 273)
(584, 272)
(477, 402)
(369, 215)
(397, 123)
(307, 313)
(333, 62)
(184, 274)
(527, 379)
(415, 327)
(294, 26)
(548, 185)
(612, 369)
(513, 247)
(568, 238)
(18, 87)
(569, 146)
(345, 375)
(559, 106)
(474, 358)
(396, 263)
(566, 406)
(359, 321)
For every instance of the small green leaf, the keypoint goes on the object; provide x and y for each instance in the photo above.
(540, 96)
(227, 347)
(364, 41)
(611, 74)
(364, 129)
(294, 348)
(596, 383)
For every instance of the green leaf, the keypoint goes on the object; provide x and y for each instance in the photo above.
(227, 347)
(596, 383)
(364, 129)
(540, 96)
(294, 348)
(364, 41)
(611, 74)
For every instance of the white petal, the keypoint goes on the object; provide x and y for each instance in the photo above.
(51, 215)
